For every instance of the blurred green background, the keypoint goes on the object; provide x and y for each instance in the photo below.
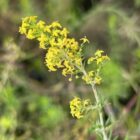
(34, 103)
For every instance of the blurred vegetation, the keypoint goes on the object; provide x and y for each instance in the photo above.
(34, 103)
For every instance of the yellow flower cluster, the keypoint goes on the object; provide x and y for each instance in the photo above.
(31, 28)
(92, 77)
(78, 107)
(65, 55)
(89, 77)
(99, 58)
(46, 34)
(63, 52)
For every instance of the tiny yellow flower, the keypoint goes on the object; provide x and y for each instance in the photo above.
(87, 79)
(99, 60)
(52, 42)
(90, 60)
(22, 30)
(76, 76)
(91, 73)
(41, 24)
(47, 29)
(43, 41)
(55, 33)
(99, 53)
(64, 32)
(30, 34)
(78, 61)
(32, 18)
(64, 72)
(56, 24)
(84, 39)
(70, 79)
(63, 52)
(97, 80)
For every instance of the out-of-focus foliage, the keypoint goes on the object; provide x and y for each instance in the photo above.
(4, 6)
(114, 90)
(34, 103)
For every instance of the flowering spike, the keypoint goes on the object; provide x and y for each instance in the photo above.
(63, 52)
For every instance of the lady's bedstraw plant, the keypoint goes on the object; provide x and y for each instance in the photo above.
(65, 53)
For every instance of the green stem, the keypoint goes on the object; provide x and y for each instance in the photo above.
(100, 112)
(100, 107)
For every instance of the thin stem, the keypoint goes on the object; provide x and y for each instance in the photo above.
(100, 112)
(100, 108)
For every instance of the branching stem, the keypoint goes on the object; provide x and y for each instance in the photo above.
(100, 107)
